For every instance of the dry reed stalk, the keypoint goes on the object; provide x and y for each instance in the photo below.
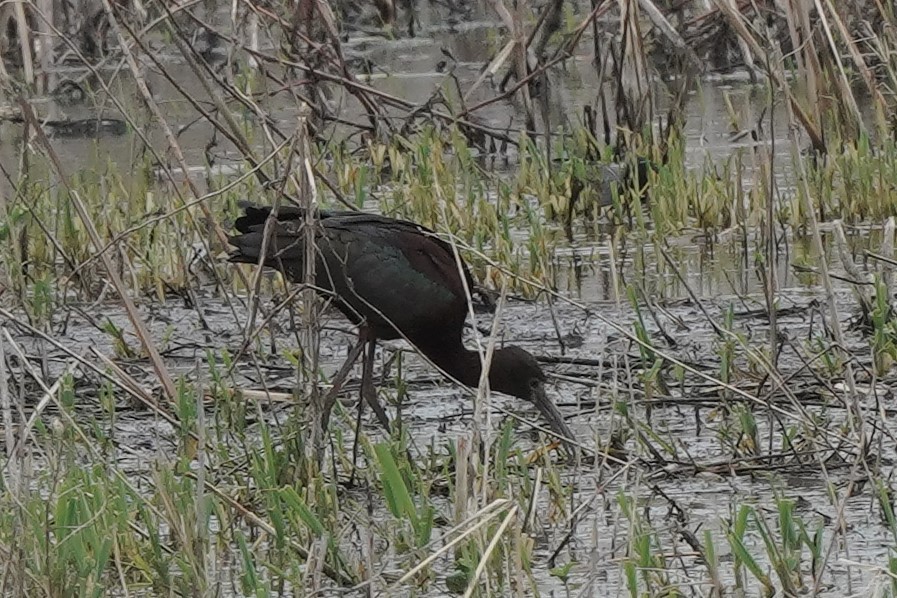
(514, 23)
(465, 475)
(803, 55)
(801, 29)
(45, 45)
(846, 93)
(887, 248)
(15, 466)
(669, 32)
(811, 123)
(201, 533)
(25, 45)
(548, 22)
(633, 71)
(864, 292)
(9, 425)
(770, 247)
(482, 411)
(494, 66)
(310, 334)
(858, 61)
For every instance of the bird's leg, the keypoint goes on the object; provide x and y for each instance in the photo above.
(356, 443)
(368, 392)
(337, 381)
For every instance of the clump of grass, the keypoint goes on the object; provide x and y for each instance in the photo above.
(854, 184)
(884, 330)
(744, 561)
(395, 484)
(645, 567)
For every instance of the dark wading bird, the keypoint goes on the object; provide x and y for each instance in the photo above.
(393, 279)
(603, 179)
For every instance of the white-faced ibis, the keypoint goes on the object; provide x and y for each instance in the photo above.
(608, 177)
(604, 179)
(393, 279)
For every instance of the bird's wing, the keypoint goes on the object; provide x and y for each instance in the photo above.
(393, 275)
(255, 215)
(413, 234)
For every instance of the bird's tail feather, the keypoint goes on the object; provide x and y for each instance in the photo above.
(255, 215)
(284, 248)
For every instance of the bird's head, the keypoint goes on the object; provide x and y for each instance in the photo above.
(516, 372)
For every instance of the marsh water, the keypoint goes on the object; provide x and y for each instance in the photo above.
(714, 276)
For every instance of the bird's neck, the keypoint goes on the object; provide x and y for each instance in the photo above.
(459, 363)
(465, 366)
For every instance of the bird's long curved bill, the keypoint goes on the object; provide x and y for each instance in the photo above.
(553, 417)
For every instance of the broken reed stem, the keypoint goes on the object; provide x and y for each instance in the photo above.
(24, 34)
